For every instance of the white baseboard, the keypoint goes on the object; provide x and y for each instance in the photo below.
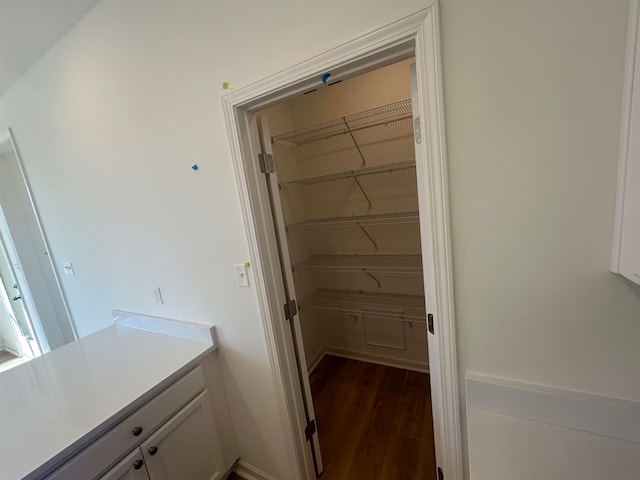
(368, 357)
(250, 472)
(311, 366)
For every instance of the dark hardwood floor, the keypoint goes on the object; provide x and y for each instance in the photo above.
(374, 422)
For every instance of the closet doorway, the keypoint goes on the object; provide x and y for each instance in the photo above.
(342, 176)
(34, 317)
(344, 199)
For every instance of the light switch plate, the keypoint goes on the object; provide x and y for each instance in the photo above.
(67, 267)
(242, 276)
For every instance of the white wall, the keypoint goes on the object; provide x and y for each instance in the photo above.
(533, 92)
(110, 121)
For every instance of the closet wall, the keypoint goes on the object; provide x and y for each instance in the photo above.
(309, 141)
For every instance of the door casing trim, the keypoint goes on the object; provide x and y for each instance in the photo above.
(417, 34)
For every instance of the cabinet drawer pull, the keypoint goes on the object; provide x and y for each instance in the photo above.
(153, 450)
(138, 464)
(137, 431)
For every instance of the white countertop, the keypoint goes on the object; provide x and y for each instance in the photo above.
(54, 405)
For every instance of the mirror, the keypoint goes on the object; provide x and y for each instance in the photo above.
(34, 315)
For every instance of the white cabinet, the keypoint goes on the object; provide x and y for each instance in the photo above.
(185, 446)
(130, 468)
(181, 433)
(626, 242)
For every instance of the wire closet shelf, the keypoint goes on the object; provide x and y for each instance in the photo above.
(358, 172)
(398, 112)
(379, 264)
(395, 218)
(388, 306)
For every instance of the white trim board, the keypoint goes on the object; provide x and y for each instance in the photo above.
(249, 472)
(417, 33)
(605, 416)
(60, 327)
(168, 326)
(370, 358)
(625, 127)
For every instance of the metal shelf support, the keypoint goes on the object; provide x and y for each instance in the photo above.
(346, 124)
(374, 278)
(364, 230)
(366, 197)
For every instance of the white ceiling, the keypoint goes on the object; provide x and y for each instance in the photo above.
(28, 28)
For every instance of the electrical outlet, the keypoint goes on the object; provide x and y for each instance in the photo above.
(67, 267)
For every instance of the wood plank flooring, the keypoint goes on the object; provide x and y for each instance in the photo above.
(374, 422)
(6, 356)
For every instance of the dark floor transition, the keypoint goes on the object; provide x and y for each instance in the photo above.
(374, 421)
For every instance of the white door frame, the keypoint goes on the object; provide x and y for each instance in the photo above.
(59, 324)
(418, 35)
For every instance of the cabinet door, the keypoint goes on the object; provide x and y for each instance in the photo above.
(290, 293)
(186, 446)
(130, 468)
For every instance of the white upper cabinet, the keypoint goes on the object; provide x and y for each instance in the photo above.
(626, 241)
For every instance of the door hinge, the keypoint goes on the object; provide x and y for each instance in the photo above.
(430, 323)
(440, 474)
(266, 163)
(310, 429)
(290, 309)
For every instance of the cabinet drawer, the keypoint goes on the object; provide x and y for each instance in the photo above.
(129, 433)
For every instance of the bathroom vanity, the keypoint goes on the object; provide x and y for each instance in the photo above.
(142, 399)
